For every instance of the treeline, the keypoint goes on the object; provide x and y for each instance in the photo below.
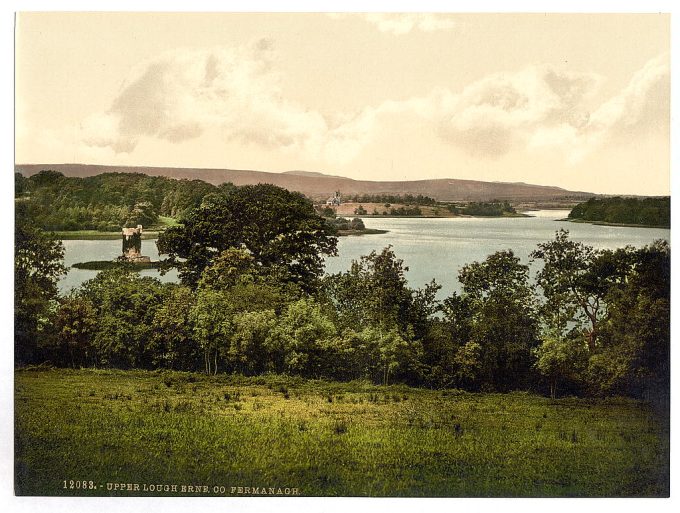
(485, 209)
(254, 299)
(342, 223)
(645, 211)
(406, 199)
(108, 201)
(401, 211)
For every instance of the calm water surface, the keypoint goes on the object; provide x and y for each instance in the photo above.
(431, 248)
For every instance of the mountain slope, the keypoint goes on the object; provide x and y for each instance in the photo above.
(319, 186)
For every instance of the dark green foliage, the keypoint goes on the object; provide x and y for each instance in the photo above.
(108, 201)
(75, 325)
(407, 199)
(494, 323)
(172, 342)
(20, 185)
(126, 305)
(341, 223)
(378, 314)
(405, 211)
(279, 228)
(103, 265)
(636, 211)
(37, 267)
(634, 353)
(327, 212)
(490, 209)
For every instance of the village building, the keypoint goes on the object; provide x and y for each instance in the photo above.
(334, 201)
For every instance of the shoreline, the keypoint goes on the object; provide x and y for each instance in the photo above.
(614, 225)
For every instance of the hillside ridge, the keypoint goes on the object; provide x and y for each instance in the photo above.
(318, 186)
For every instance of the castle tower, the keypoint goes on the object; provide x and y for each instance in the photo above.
(132, 245)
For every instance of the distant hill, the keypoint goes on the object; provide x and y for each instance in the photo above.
(319, 186)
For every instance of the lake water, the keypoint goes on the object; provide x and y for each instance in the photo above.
(431, 248)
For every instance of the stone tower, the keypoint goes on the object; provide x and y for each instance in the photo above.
(132, 245)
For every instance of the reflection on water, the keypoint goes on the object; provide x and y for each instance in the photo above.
(431, 248)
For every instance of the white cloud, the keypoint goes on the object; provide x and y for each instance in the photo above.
(404, 23)
(502, 111)
(180, 95)
(235, 92)
(641, 108)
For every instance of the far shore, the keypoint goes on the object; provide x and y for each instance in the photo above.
(615, 225)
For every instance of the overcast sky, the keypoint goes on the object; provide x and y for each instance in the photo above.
(577, 101)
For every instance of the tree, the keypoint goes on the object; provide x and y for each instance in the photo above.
(501, 319)
(374, 292)
(126, 305)
(575, 280)
(38, 264)
(561, 359)
(75, 326)
(248, 352)
(173, 344)
(297, 339)
(211, 320)
(277, 227)
(633, 357)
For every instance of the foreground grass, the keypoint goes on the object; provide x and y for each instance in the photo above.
(325, 438)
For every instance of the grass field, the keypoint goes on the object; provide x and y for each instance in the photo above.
(282, 434)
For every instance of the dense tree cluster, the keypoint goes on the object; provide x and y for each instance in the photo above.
(485, 209)
(108, 201)
(406, 199)
(645, 211)
(342, 223)
(253, 300)
(279, 228)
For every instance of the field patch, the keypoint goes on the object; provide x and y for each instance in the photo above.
(84, 432)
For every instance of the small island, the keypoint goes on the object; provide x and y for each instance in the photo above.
(344, 227)
(131, 258)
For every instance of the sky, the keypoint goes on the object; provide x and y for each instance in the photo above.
(579, 101)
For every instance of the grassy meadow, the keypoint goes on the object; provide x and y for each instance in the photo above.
(324, 438)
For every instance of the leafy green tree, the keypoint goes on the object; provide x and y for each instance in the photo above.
(38, 264)
(75, 326)
(126, 305)
(395, 353)
(211, 317)
(575, 279)
(248, 351)
(502, 319)
(20, 185)
(277, 227)
(173, 344)
(297, 339)
(357, 224)
(374, 292)
(634, 353)
(561, 360)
